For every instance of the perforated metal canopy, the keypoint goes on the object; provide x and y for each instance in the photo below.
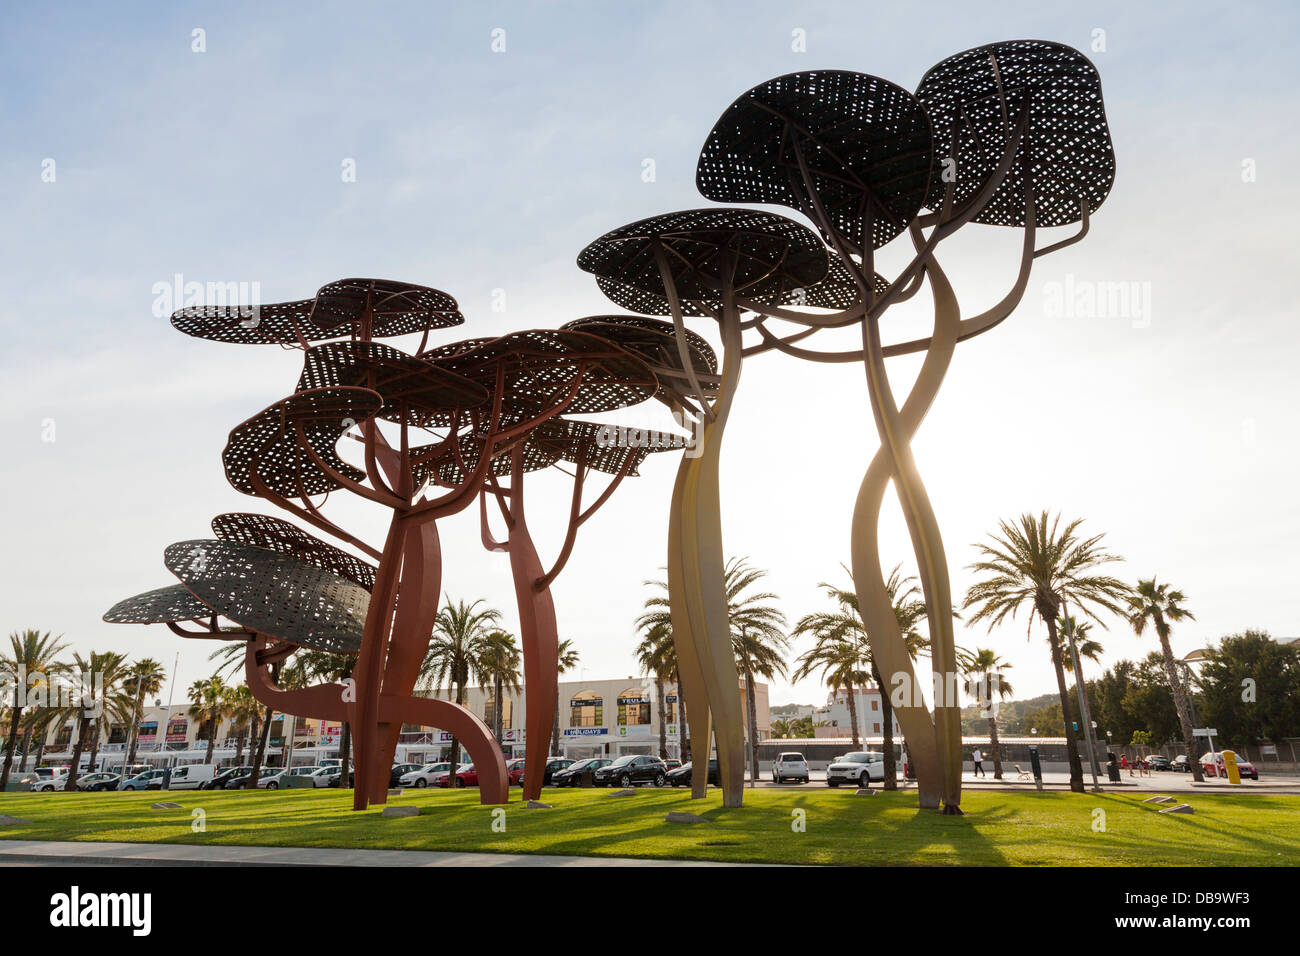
(414, 390)
(655, 342)
(398, 308)
(277, 323)
(1067, 149)
(272, 593)
(165, 605)
(269, 441)
(605, 448)
(451, 471)
(865, 141)
(276, 534)
(541, 367)
(763, 255)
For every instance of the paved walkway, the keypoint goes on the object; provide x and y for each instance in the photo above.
(51, 853)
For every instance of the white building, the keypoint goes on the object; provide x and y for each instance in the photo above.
(835, 715)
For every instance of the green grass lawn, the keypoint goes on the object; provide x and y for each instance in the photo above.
(1021, 829)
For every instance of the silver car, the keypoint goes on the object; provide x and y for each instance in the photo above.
(858, 768)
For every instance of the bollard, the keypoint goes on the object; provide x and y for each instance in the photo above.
(1037, 767)
(1230, 767)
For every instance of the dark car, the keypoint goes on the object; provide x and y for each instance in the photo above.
(571, 776)
(1180, 764)
(1158, 762)
(631, 769)
(395, 775)
(99, 781)
(553, 766)
(220, 781)
(681, 776)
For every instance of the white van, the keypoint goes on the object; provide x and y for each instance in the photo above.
(191, 776)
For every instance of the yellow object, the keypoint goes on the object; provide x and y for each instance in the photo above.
(1230, 767)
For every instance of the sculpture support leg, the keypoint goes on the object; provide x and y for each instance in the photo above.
(690, 674)
(704, 566)
(412, 627)
(935, 747)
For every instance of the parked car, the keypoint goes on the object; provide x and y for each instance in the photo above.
(126, 773)
(1180, 764)
(515, 770)
(399, 771)
(1212, 765)
(631, 769)
(329, 775)
(271, 778)
(1158, 762)
(466, 776)
(424, 776)
(553, 766)
(790, 766)
(57, 780)
(241, 780)
(681, 777)
(98, 781)
(859, 767)
(571, 776)
(192, 776)
(147, 780)
(439, 779)
(221, 780)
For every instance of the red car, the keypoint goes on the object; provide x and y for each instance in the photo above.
(1212, 766)
(466, 776)
(515, 770)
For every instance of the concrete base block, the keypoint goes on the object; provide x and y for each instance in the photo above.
(1180, 808)
(166, 806)
(864, 792)
(401, 812)
(8, 821)
(622, 793)
(537, 805)
(1159, 800)
(677, 816)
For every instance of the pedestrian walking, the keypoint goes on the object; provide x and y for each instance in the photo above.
(977, 757)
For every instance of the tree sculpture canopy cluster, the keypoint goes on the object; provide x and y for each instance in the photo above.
(1011, 134)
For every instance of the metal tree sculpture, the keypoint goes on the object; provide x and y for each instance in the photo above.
(539, 369)
(701, 262)
(285, 589)
(1007, 134)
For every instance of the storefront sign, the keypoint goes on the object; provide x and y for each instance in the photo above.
(177, 730)
(586, 731)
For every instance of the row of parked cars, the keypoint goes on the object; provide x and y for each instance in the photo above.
(1212, 765)
(187, 777)
(630, 770)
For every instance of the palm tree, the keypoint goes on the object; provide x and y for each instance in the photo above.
(983, 669)
(208, 704)
(758, 638)
(500, 660)
(143, 679)
(657, 656)
(329, 668)
(566, 659)
(100, 674)
(244, 714)
(1157, 604)
(32, 654)
(1035, 563)
(843, 653)
(455, 655)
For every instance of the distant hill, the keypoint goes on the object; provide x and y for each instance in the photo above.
(782, 710)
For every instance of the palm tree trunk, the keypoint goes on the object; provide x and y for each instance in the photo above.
(1071, 741)
(498, 706)
(663, 718)
(555, 721)
(887, 731)
(77, 747)
(212, 741)
(27, 746)
(853, 718)
(239, 746)
(1180, 705)
(134, 730)
(455, 744)
(752, 718)
(260, 754)
(40, 748)
(993, 729)
(94, 748)
(345, 757)
(12, 742)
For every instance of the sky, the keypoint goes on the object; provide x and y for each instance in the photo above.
(490, 143)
